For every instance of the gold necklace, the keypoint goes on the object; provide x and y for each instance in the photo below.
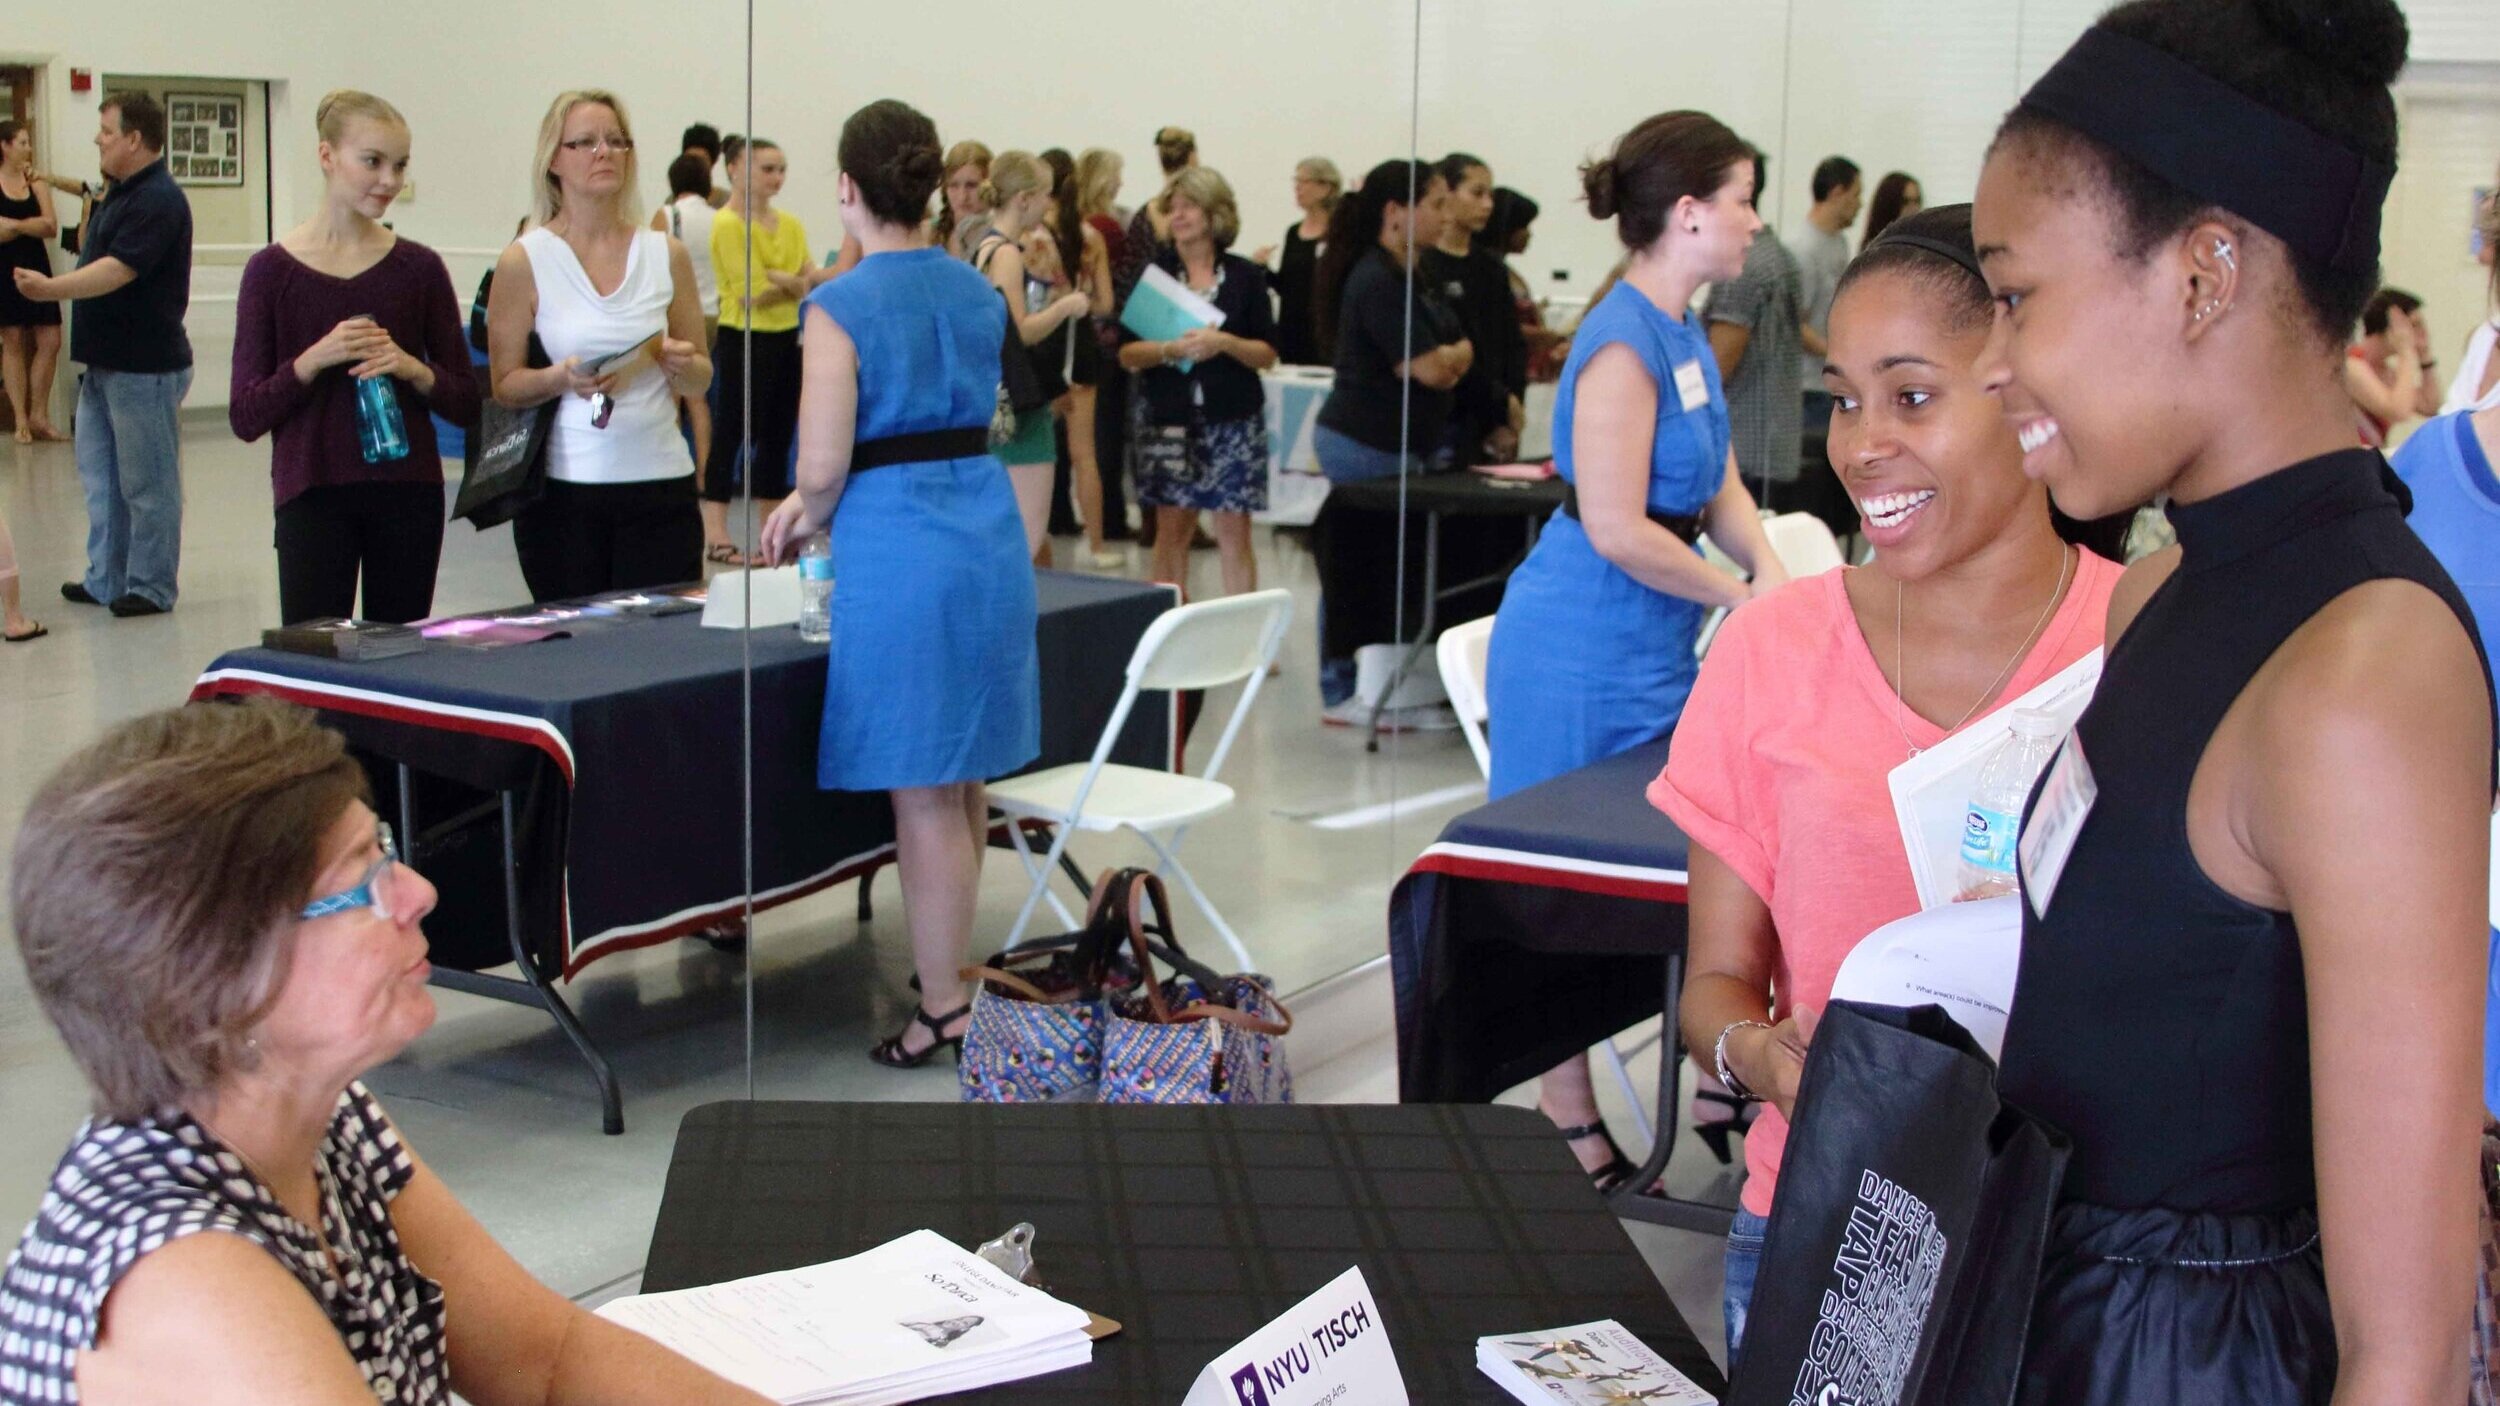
(1901, 667)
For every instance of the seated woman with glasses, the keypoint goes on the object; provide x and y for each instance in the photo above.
(223, 936)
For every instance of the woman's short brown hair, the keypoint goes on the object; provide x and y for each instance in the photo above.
(157, 881)
(1206, 188)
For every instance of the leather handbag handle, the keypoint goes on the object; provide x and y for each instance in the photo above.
(1141, 880)
(1019, 985)
(1200, 1010)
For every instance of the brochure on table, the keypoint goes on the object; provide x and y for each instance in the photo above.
(1931, 792)
(1331, 1349)
(1589, 1365)
(914, 1318)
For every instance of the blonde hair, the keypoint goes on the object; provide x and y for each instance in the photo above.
(546, 193)
(341, 106)
(1206, 188)
(1324, 171)
(1013, 173)
(967, 153)
(1097, 180)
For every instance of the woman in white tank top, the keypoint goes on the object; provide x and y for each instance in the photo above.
(619, 511)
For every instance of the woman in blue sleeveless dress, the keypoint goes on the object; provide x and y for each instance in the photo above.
(932, 682)
(1592, 651)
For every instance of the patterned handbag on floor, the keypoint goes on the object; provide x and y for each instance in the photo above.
(1194, 1037)
(1037, 1011)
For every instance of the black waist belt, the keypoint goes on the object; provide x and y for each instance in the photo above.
(1686, 526)
(924, 447)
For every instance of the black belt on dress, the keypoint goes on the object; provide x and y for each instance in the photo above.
(1686, 526)
(927, 446)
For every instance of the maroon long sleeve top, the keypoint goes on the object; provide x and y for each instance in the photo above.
(285, 306)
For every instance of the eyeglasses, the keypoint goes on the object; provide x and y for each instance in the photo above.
(609, 143)
(368, 890)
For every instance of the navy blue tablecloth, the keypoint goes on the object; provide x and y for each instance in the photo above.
(1535, 927)
(623, 743)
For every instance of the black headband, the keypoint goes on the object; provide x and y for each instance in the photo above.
(1959, 253)
(2217, 143)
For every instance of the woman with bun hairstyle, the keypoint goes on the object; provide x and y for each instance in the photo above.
(1592, 650)
(932, 683)
(2254, 878)
(337, 301)
(1811, 697)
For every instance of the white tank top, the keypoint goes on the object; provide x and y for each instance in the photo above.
(640, 443)
(690, 219)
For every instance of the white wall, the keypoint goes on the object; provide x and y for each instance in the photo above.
(1533, 88)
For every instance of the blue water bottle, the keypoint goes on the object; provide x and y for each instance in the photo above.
(380, 431)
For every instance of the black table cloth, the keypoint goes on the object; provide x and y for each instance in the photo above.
(1534, 928)
(623, 742)
(1190, 1226)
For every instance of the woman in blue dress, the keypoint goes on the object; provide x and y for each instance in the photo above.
(932, 684)
(1592, 651)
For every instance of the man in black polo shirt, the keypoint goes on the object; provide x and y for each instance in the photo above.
(132, 286)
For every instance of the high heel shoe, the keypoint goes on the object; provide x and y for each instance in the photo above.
(892, 1055)
(1618, 1169)
(1714, 1132)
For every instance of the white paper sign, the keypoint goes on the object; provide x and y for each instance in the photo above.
(1331, 1349)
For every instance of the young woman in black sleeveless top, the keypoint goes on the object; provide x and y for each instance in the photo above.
(2255, 878)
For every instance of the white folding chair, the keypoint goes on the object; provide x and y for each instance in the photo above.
(1206, 645)
(1802, 543)
(1462, 653)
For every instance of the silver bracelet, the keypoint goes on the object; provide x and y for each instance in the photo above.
(1718, 1056)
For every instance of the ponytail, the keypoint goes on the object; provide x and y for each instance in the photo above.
(1354, 232)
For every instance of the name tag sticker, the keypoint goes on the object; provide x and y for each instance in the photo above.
(1692, 386)
(1328, 1350)
(2048, 837)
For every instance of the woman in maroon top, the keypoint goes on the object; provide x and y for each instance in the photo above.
(341, 299)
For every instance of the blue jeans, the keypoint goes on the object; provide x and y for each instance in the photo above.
(129, 446)
(1744, 1263)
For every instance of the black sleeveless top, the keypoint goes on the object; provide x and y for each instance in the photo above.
(2159, 1021)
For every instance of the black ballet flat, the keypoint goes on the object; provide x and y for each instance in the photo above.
(892, 1055)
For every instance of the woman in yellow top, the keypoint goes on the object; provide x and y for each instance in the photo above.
(761, 263)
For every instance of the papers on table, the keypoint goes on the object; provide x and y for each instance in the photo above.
(1163, 307)
(1592, 1364)
(913, 1318)
(1931, 792)
(1960, 956)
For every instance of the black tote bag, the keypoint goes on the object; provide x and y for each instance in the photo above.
(506, 468)
(1905, 1241)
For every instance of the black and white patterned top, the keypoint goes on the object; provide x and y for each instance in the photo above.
(125, 1189)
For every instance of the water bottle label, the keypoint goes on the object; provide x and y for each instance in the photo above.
(816, 568)
(1988, 840)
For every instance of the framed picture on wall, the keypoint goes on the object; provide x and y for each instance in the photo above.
(204, 138)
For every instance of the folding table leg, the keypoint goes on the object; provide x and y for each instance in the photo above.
(1626, 1200)
(1423, 632)
(533, 989)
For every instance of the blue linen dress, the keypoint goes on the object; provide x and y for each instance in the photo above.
(933, 676)
(1586, 662)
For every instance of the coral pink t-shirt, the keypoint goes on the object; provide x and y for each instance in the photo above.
(1779, 769)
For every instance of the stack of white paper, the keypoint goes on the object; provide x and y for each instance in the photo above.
(1590, 1365)
(913, 1318)
(1960, 956)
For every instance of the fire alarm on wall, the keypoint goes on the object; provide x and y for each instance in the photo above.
(81, 80)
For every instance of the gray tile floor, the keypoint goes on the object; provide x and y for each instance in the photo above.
(496, 1099)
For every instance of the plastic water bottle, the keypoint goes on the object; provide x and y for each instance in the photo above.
(379, 430)
(816, 590)
(1990, 826)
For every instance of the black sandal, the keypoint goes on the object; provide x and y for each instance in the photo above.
(1618, 1169)
(1714, 1132)
(892, 1055)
